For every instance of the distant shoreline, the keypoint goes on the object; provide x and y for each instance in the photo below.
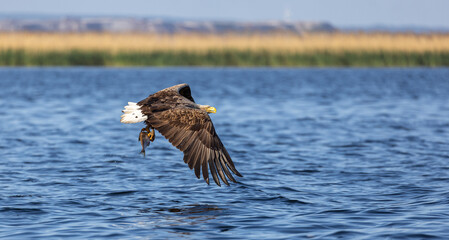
(223, 58)
(279, 50)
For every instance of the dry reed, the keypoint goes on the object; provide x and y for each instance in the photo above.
(132, 42)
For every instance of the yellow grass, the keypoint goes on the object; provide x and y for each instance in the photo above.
(199, 43)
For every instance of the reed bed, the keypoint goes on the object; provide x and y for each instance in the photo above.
(338, 42)
(222, 58)
(337, 49)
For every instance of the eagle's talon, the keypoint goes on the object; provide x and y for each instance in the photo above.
(151, 134)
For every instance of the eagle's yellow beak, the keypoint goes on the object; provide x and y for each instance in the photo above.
(211, 110)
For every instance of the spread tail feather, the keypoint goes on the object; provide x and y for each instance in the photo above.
(132, 114)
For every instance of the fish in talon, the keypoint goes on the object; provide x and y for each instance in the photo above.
(145, 140)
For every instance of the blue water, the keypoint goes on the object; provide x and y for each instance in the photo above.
(325, 154)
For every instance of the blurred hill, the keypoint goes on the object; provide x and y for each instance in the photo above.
(153, 25)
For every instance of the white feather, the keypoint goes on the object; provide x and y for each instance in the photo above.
(132, 107)
(132, 114)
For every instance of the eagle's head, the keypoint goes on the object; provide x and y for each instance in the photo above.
(208, 108)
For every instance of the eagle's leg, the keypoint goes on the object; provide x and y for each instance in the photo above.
(151, 134)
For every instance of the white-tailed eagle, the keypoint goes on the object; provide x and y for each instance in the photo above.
(186, 125)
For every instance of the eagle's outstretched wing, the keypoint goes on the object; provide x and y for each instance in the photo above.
(192, 131)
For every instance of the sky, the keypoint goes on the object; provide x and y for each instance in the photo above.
(342, 13)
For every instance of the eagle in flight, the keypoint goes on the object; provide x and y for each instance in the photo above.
(186, 125)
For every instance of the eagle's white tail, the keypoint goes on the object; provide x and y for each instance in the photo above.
(132, 114)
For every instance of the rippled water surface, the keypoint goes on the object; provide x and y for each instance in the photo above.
(325, 154)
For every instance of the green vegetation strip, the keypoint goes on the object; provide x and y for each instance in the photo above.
(221, 58)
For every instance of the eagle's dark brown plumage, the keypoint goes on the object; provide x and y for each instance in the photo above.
(187, 126)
